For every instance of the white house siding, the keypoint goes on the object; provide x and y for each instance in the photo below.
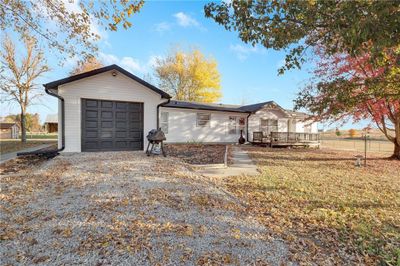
(300, 125)
(182, 126)
(104, 87)
(266, 113)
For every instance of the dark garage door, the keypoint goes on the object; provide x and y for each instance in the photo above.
(111, 125)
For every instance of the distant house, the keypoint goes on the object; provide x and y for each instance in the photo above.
(51, 123)
(9, 130)
(110, 109)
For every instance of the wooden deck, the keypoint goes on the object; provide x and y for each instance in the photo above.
(287, 139)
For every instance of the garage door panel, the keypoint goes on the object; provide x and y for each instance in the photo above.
(91, 134)
(122, 106)
(109, 125)
(91, 103)
(106, 134)
(135, 117)
(121, 134)
(106, 104)
(135, 144)
(121, 124)
(105, 145)
(121, 115)
(91, 114)
(106, 114)
(91, 124)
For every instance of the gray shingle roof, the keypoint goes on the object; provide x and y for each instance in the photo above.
(251, 108)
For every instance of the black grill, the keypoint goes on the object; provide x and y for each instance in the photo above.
(156, 138)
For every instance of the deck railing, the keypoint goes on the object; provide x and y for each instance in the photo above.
(286, 138)
(294, 137)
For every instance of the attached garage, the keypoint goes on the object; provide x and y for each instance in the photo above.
(111, 125)
(106, 109)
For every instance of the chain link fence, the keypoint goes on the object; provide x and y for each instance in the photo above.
(374, 144)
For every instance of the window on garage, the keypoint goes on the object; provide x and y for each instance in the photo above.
(164, 122)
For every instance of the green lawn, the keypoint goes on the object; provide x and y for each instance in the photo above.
(324, 206)
(41, 136)
(7, 146)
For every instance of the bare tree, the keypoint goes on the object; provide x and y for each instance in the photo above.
(18, 74)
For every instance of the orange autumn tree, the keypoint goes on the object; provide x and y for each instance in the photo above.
(86, 65)
(353, 87)
(189, 76)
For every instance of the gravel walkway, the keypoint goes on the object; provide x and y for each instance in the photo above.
(124, 208)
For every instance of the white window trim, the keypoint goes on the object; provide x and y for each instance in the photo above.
(269, 128)
(164, 122)
(207, 121)
(235, 120)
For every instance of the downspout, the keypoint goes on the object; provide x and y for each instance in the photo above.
(158, 111)
(247, 127)
(38, 152)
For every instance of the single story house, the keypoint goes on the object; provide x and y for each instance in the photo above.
(9, 130)
(110, 109)
(51, 123)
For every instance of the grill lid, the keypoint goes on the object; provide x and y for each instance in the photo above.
(156, 135)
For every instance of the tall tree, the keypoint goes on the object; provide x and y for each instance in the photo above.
(339, 26)
(189, 76)
(86, 65)
(71, 27)
(351, 87)
(18, 75)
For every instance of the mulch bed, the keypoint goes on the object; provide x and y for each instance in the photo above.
(197, 153)
(24, 163)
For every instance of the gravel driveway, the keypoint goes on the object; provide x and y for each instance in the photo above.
(125, 208)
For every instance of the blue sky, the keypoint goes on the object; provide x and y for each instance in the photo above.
(248, 74)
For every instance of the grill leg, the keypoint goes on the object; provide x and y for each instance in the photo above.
(162, 149)
(147, 150)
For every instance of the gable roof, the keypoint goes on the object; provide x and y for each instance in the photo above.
(54, 84)
(6, 125)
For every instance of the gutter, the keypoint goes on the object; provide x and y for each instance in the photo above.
(158, 111)
(247, 127)
(51, 153)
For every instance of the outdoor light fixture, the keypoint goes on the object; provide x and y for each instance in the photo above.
(114, 73)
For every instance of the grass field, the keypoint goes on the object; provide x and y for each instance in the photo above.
(329, 210)
(41, 136)
(7, 146)
(380, 146)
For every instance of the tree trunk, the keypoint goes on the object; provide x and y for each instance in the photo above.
(396, 152)
(23, 126)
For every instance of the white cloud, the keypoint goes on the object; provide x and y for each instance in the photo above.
(242, 52)
(162, 27)
(187, 21)
(129, 63)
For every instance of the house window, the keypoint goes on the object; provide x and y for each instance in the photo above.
(203, 119)
(164, 122)
(307, 128)
(242, 123)
(269, 125)
(232, 125)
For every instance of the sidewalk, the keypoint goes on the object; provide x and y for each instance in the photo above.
(12, 155)
(241, 165)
